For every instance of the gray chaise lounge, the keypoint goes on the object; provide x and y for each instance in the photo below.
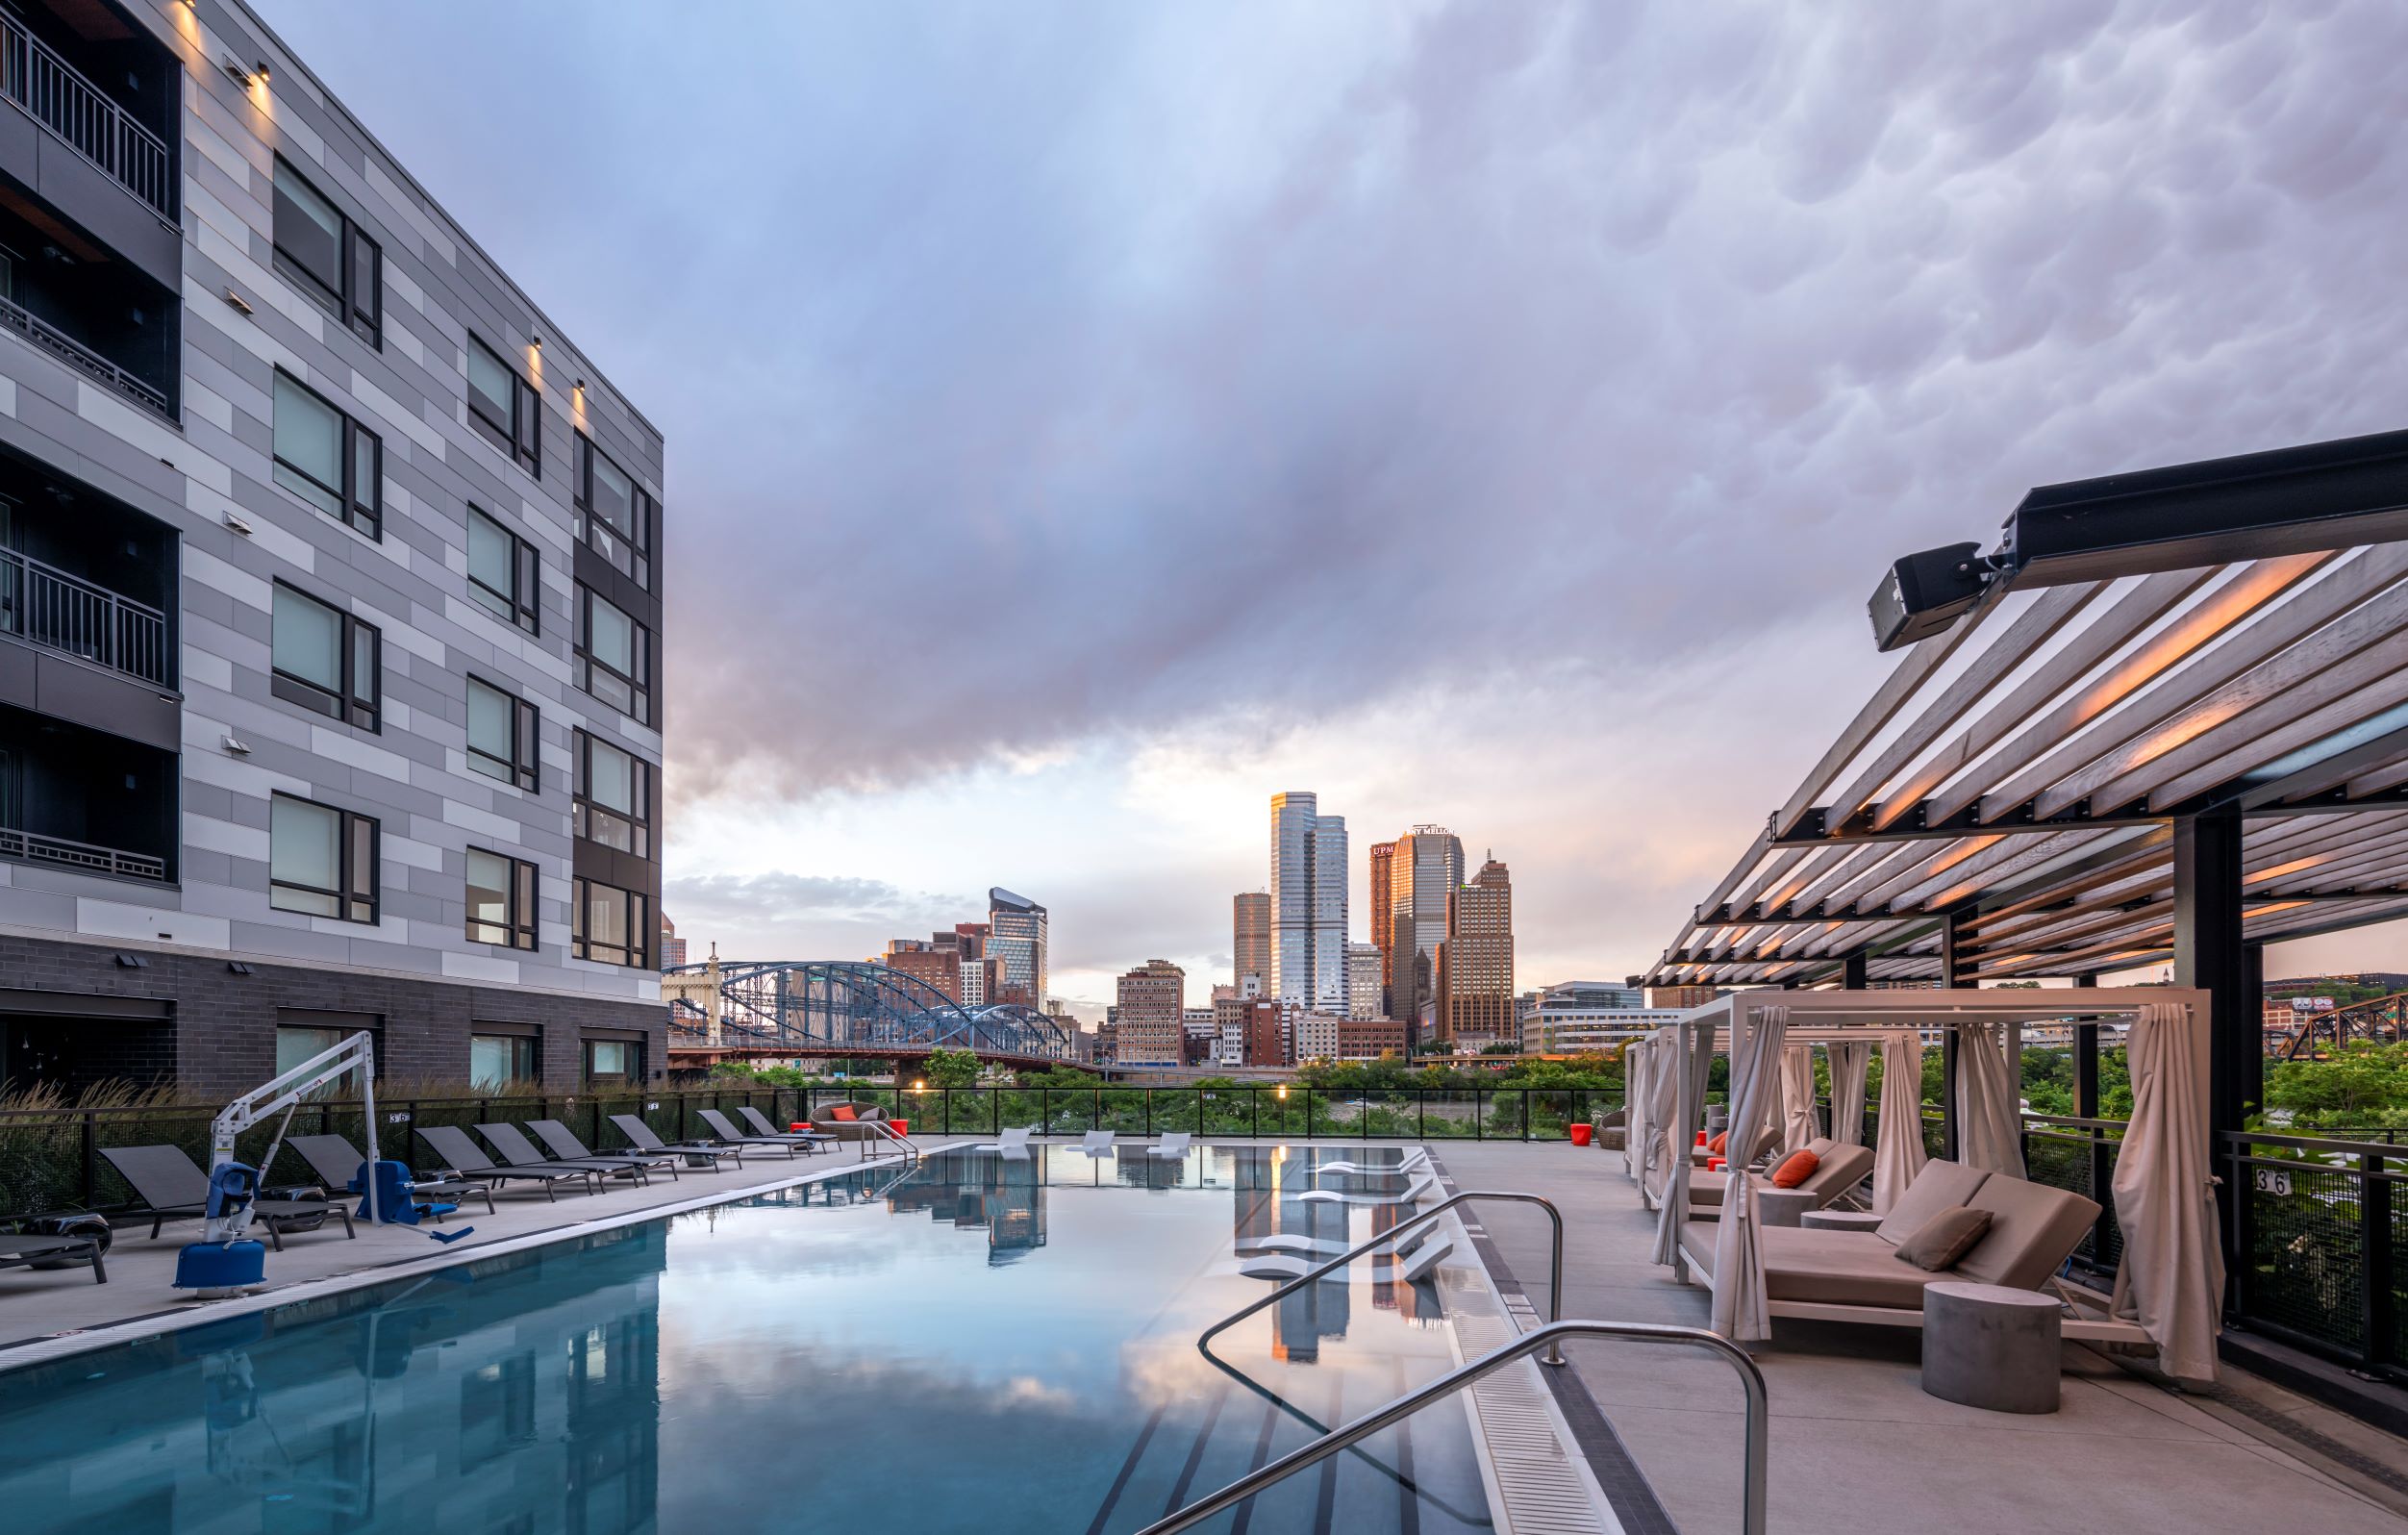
(462, 1159)
(174, 1188)
(336, 1162)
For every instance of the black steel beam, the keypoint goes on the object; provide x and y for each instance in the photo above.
(2211, 954)
(1810, 831)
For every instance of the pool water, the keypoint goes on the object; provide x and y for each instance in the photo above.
(984, 1345)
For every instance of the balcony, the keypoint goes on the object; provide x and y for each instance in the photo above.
(72, 296)
(77, 798)
(48, 607)
(38, 77)
(83, 575)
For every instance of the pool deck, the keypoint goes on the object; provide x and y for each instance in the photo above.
(47, 1313)
(1857, 1447)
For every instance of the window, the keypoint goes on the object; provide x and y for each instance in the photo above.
(613, 1062)
(327, 458)
(328, 257)
(501, 899)
(614, 514)
(320, 861)
(501, 735)
(613, 655)
(504, 406)
(295, 1044)
(608, 924)
(502, 571)
(325, 659)
(614, 796)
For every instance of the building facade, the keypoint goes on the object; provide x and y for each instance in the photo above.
(672, 946)
(1425, 868)
(1366, 996)
(1476, 961)
(1250, 935)
(1150, 1015)
(1308, 903)
(1015, 935)
(1383, 863)
(1576, 1030)
(330, 688)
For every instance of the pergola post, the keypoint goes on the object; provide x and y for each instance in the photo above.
(1852, 971)
(1952, 975)
(2210, 954)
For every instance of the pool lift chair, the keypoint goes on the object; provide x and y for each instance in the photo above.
(227, 1260)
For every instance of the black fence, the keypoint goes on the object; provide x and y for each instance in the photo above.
(50, 1159)
(2317, 1244)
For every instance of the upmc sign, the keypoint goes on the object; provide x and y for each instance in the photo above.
(2310, 1004)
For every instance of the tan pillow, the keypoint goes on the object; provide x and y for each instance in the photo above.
(1945, 1238)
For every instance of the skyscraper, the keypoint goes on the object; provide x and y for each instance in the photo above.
(1308, 903)
(1017, 936)
(1250, 938)
(1363, 999)
(1383, 860)
(1476, 964)
(1424, 870)
(1151, 1015)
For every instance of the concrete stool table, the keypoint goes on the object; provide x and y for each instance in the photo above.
(1990, 1347)
(1840, 1219)
(1782, 1207)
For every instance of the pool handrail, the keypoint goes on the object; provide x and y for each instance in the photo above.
(1550, 1337)
(1388, 1238)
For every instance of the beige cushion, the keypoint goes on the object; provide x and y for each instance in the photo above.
(1941, 1185)
(2033, 1228)
(1833, 1268)
(1844, 1167)
(1944, 1237)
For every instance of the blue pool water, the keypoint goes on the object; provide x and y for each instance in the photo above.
(986, 1346)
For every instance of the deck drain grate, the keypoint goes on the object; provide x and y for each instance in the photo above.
(1541, 1489)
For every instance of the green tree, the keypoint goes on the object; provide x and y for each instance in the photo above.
(951, 1068)
(2365, 1085)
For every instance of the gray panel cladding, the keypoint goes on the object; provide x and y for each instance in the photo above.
(413, 774)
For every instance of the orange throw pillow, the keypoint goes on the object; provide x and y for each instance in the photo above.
(843, 1111)
(1795, 1168)
(1714, 1145)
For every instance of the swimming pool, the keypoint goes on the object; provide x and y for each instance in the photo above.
(978, 1345)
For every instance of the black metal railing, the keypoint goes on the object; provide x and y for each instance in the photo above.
(2317, 1244)
(58, 97)
(34, 847)
(50, 1158)
(83, 359)
(48, 607)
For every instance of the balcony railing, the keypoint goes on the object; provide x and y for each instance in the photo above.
(33, 847)
(60, 99)
(81, 358)
(51, 608)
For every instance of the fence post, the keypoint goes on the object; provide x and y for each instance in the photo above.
(1479, 1131)
(1525, 1113)
(2374, 1243)
(2101, 1175)
(92, 1160)
(1254, 1099)
(1421, 1114)
(1147, 1098)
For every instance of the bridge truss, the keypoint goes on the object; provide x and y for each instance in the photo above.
(2376, 1020)
(769, 1009)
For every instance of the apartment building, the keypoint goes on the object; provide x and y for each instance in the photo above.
(330, 596)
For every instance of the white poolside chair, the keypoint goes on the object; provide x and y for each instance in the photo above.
(1414, 1263)
(1174, 1145)
(1095, 1144)
(1290, 1241)
(1013, 1145)
(1412, 1161)
(1412, 1196)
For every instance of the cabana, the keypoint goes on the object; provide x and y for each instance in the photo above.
(2170, 1285)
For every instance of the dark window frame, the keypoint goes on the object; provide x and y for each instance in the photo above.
(600, 534)
(525, 768)
(637, 951)
(585, 1061)
(522, 436)
(357, 888)
(584, 810)
(360, 442)
(520, 903)
(521, 604)
(361, 708)
(359, 298)
(639, 705)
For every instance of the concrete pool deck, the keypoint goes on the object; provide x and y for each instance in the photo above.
(1856, 1447)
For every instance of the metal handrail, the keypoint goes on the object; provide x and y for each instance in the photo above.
(1551, 1337)
(47, 605)
(56, 93)
(880, 1129)
(1555, 1270)
(86, 359)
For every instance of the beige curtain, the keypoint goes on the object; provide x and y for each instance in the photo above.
(1990, 1117)
(1739, 1307)
(2171, 1280)
(1850, 1060)
(1635, 1107)
(1798, 1098)
(1898, 1153)
(1688, 1111)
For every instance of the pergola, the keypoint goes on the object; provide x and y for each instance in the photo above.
(2170, 724)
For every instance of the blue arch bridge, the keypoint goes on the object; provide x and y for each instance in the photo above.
(736, 1010)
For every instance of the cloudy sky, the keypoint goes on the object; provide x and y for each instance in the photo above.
(1087, 419)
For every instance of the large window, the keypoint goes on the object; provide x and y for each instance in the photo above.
(325, 659)
(501, 899)
(327, 255)
(613, 655)
(320, 861)
(502, 571)
(501, 735)
(614, 796)
(616, 515)
(504, 406)
(327, 458)
(614, 1063)
(608, 924)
